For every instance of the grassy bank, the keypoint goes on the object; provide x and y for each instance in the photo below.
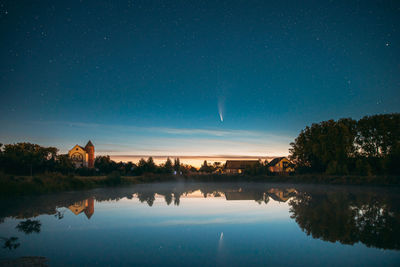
(46, 183)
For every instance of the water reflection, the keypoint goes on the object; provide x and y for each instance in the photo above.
(86, 206)
(29, 226)
(370, 218)
(344, 214)
(10, 243)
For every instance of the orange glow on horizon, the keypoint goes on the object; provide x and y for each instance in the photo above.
(195, 161)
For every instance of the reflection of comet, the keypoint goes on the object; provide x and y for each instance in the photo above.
(220, 251)
(220, 242)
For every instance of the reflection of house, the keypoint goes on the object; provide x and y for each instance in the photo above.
(238, 166)
(240, 196)
(280, 165)
(281, 195)
(86, 206)
(82, 156)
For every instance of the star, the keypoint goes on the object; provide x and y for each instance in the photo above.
(387, 44)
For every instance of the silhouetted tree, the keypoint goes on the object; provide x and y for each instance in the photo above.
(206, 167)
(256, 169)
(151, 166)
(105, 165)
(27, 158)
(168, 168)
(177, 165)
(378, 134)
(371, 145)
(325, 147)
(64, 164)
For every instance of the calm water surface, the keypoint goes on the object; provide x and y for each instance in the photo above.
(197, 224)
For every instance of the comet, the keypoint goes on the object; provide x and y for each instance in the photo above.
(221, 105)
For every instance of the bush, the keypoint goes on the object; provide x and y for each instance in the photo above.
(114, 178)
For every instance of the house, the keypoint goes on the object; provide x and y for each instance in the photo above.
(238, 166)
(82, 156)
(280, 165)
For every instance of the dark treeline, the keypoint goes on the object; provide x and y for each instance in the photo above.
(369, 146)
(32, 159)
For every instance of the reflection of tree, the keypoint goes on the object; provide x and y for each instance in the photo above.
(29, 226)
(177, 198)
(347, 218)
(168, 198)
(149, 197)
(59, 215)
(10, 243)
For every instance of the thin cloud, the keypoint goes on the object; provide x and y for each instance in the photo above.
(168, 130)
(116, 140)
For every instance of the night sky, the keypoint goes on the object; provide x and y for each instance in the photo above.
(156, 77)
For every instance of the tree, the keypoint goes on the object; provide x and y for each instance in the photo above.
(27, 158)
(105, 165)
(128, 168)
(141, 167)
(151, 166)
(177, 165)
(368, 146)
(378, 140)
(379, 134)
(257, 169)
(64, 164)
(318, 146)
(217, 166)
(168, 168)
(206, 167)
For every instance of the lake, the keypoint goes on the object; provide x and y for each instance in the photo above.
(198, 224)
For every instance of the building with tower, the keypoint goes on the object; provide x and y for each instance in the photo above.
(82, 156)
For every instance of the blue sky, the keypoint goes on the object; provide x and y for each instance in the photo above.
(155, 77)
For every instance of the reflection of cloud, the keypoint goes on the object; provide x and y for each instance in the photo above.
(201, 221)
